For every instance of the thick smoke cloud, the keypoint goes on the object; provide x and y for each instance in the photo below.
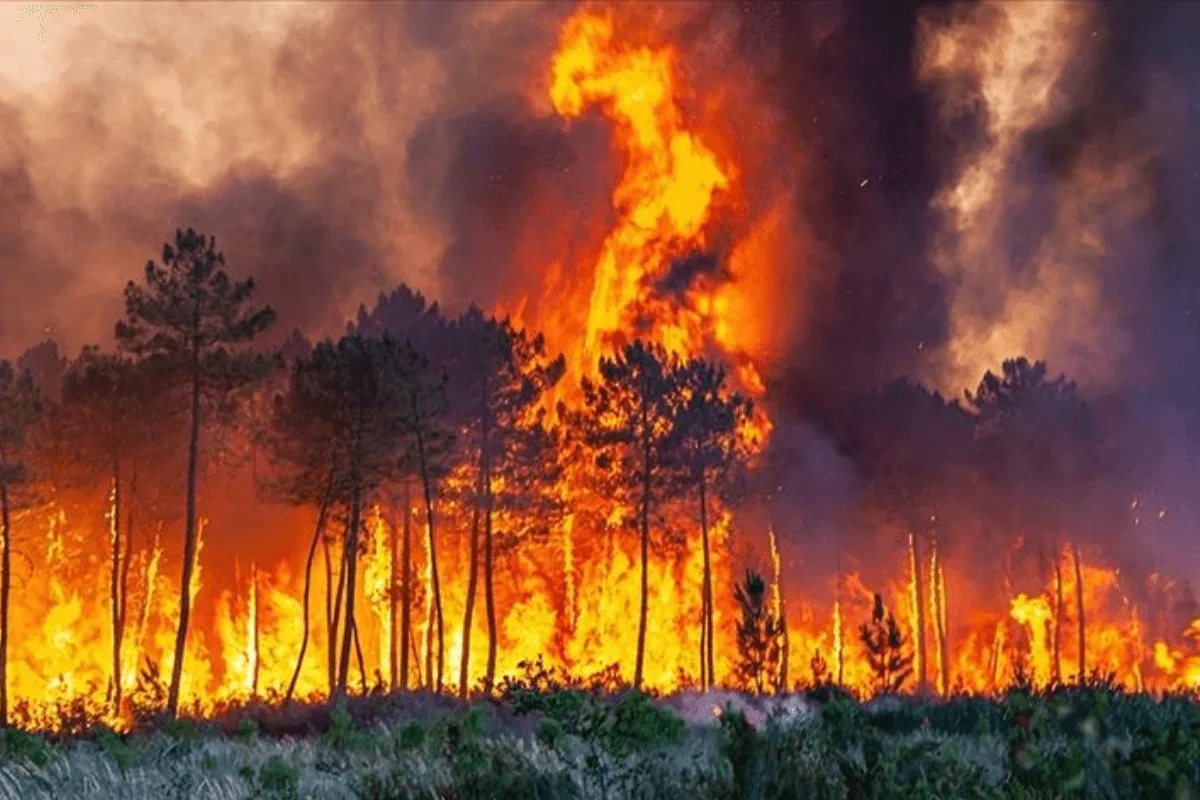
(338, 149)
(282, 130)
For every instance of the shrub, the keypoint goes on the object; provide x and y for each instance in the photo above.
(279, 778)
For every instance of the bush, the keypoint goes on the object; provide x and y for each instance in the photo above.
(278, 778)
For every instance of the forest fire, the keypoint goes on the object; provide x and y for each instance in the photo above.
(593, 511)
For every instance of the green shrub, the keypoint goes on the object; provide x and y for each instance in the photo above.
(278, 778)
(411, 735)
(116, 749)
(17, 745)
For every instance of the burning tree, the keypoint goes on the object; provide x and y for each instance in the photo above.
(709, 453)
(758, 635)
(629, 417)
(886, 654)
(424, 403)
(913, 446)
(188, 321)
(336, 437)
(106, 409)
(21, 408)
(500, 378)
(406, 316)
(1036, 433)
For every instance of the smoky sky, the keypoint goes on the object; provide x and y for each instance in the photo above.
(360, 146)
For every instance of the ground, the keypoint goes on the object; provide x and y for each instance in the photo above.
(556, 743)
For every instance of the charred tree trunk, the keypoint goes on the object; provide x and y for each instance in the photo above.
(308, 567)
(1081, 619)
(5, 589)
(393, 556)
(1059, 607)
(362, 664)
(643, 611)
(189, 534)
(115, 584)
(919, 613)
(351, 570)
(123, 605)
(707, 672)
(332, 610)
(464, 670)
(838, 632)
(406, 590)
(427, 489)
(254, 633)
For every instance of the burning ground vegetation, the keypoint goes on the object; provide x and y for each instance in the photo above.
(615, 466)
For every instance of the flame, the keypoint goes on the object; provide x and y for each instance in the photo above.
(570, 597)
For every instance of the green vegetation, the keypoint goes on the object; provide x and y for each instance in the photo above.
(545, 740)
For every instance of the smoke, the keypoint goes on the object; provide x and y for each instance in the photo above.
(929, 187)
(284, 130)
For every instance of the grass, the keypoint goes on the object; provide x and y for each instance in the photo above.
(556, 742)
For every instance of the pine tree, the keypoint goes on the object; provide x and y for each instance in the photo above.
(758, 635)
(21, 408)
(886, 653)
(498, 380)
(189, 319)
(628, 418)
(105, 414)
(708, 454)
(336, 436)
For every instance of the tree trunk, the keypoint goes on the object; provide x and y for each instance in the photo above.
(308, 566)
(362, 664)
(919, 612)
(115, 584)
(331, 615)
(781, 608)
(406, 591)
(839, 644)
(393, 557)
(5, 588)
(338, 599)
(1082, 620)
(351, 569)
(427, 489)
(464, 671)
(122, 616)
(1059, 607)
(643, 611)
(937, 594)
(189, 540)
(254, 633)
(707, 604)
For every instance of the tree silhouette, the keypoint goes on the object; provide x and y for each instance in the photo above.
(913, 448)
(758, 635)
(498, 381)
(628, 418)
(1038, 440)
(189, 320)
(708, 450)
(22, 406)
(407, 316)
(336, 436)
(106, 409)
(886, 655)
(424, 405)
